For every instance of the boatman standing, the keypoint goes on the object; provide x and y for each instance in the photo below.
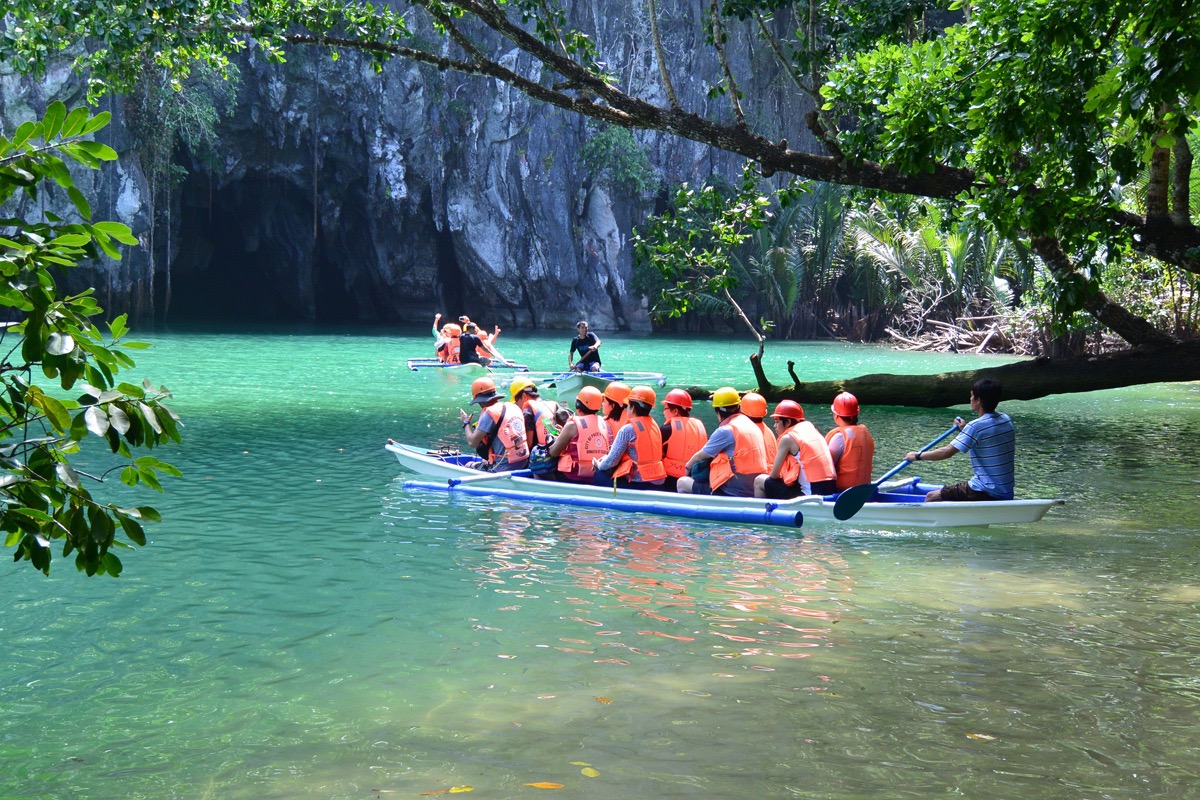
(991, 440)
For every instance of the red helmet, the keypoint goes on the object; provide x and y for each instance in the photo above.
(754, 405)
(590, 398)
(644, 395)
(789, 409)
(483, 390)
(678, 397)
(617, 392)
(845, 405)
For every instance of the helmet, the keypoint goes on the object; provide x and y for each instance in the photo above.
(678, 397)
(452, 330)
(789, 409)
(845, 405)
(754, 405)
(725, 397)
(483, 390)
(617, 392)
(590, 398)
(643, 394)
(520, 385)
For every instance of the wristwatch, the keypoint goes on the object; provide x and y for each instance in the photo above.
(918, 458)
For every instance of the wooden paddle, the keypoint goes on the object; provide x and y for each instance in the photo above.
(851, 501)
(490, 476)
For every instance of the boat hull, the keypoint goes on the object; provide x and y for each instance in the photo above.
(902, 506)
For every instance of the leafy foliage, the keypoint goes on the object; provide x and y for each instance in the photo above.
(44, 498)
(614, 157)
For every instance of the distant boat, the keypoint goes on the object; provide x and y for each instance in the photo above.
(417, 364)
(568, 384)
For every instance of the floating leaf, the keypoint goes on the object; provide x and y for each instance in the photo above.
(545, 785)
(981, 736)
(458, 789)
(591, 772)
(604, 700)
(580, 764)
(435, 791)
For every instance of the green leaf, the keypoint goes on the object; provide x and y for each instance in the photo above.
(53, 120)
(81, 203)
(97, 150)
(96, 419)
(74, 121)
(24, 132)
(96, 123)
(60, 344)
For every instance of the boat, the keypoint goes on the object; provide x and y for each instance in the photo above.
(896, 505)
(417, 364)
(568, 384)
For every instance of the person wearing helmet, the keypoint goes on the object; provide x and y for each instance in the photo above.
(802, 464)
(850, 444)
(584, 437)
(539, 413)
(616, 395)
(735, 453)
(634, 461)
(682, 435)
(992, 442)
(500, 437)
(754, 406)
(588, 347)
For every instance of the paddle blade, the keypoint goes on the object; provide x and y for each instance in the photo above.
(851, 501)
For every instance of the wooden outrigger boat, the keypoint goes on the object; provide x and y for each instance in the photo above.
(901, 505)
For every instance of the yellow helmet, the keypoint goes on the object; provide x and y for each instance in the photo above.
(725, 397)
(520, 385)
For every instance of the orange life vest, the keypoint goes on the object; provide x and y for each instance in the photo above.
(591, 441)
(509, 429)
(768, 442)
(749, 453)
(813, 456)
(614, 425)
(453, 350)
(687, 437)
(648, 442)
(858, 456)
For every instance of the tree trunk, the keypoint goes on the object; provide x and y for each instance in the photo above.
(1023, 380)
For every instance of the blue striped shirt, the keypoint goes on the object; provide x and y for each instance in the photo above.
(992, 442)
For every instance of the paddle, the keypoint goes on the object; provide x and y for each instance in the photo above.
(490, 476)
(851, 501)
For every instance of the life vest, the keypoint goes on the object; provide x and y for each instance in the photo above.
(687, 437)
(768, 442)
(813, 456)
(854, 467)
(591, 441)
(543, 416)
(615, 425)
(648, 443)
(509, 430)
(749, 453)
(453, 350)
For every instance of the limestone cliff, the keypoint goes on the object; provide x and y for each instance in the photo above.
(339, 194)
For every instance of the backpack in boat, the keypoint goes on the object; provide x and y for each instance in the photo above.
(540, 462)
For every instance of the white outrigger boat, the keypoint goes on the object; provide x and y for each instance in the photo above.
(418, 364)
(897, 505)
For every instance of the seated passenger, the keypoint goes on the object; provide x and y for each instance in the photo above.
(635, 459)
(500, 437)
(682, 435)
(850, 444)
(583, 437)
(735, 453)
(802, 464)
(754, 406)
(540, 426)
(615, 396)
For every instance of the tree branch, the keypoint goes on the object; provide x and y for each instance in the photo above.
(660, 55)
(1181, 212)
(718, 35)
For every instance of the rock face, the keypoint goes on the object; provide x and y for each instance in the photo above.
(338, 194)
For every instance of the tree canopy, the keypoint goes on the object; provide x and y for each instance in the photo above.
(1060, 122)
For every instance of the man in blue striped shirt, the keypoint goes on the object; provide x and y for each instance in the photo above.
(992, 442)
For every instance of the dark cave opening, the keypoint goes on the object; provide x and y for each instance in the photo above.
(247, 251)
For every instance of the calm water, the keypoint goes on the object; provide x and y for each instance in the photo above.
(302, 627)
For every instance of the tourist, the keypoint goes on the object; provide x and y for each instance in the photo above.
(588, 347)
(754, 406)
(802, 464)
(734, 455)
(682, 435)
(470, 345)
(540, 425)
(616, 395)
(583, 437)
(500, 437)
(991, 440)
(850, 444)
(634, 460)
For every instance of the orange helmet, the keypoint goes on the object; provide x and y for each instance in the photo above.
(618, 392)
(483, 390)
(590, 398)
(754, 405)
(644, 395)
(678, 397)
(845, 405)
(789, 409)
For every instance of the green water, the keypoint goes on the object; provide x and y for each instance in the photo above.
(300, 626)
